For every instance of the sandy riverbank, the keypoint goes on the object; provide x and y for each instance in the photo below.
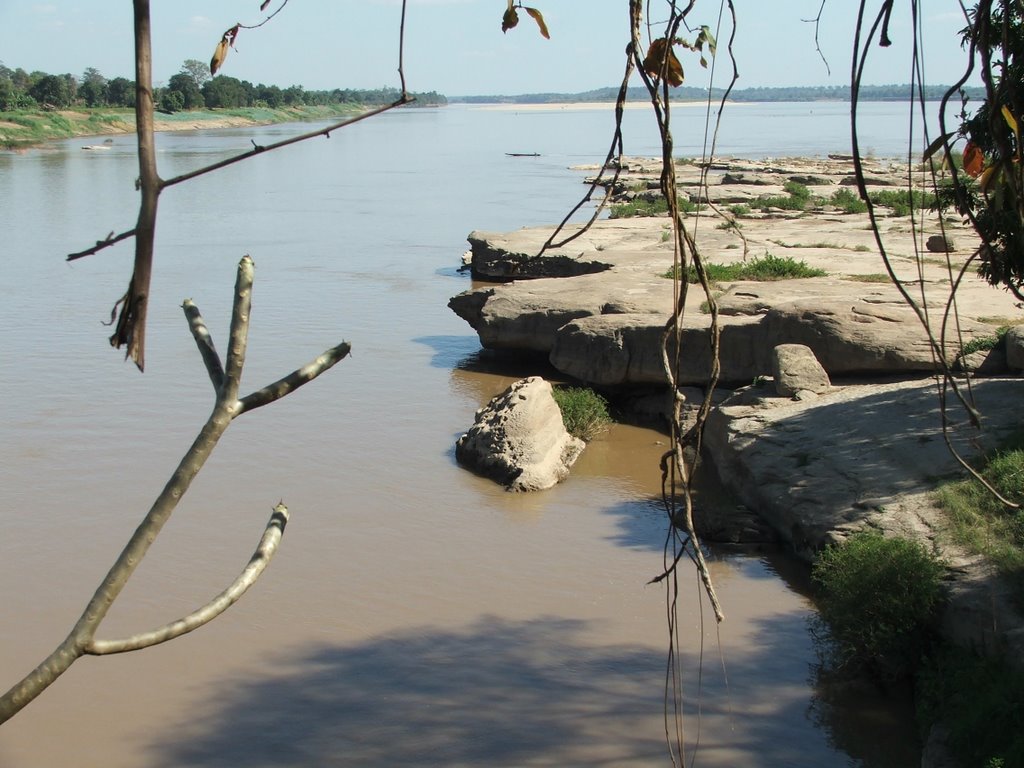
(36, 128)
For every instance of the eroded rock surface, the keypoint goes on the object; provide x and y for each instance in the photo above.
(519, 439)
(598, 305)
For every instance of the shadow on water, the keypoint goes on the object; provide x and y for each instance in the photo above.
(499, 693)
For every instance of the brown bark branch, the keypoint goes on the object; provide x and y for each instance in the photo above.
(106, 242)
(130, 329)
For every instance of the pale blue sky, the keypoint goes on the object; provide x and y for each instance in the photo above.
(456, 46)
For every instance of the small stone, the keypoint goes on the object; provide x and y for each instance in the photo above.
(796, 369)
(940, 244)
(1015, 348)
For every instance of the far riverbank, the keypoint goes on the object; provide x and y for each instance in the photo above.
(24, 129)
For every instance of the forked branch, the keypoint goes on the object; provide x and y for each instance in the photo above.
(81, 639)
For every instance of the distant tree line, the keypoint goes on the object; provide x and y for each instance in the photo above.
(687, 93)
(191, 88)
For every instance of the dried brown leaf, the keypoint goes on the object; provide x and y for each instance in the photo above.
(974, 160)
(510, 19)
(655, 62)
(539, 18)
(219, 54)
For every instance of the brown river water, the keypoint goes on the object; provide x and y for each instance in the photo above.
(415, 614)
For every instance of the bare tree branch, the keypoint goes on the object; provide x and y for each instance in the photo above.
(294, 380)
(204, 341)
(816, 21)
(260, 149)
(260, 559)
(108, 241)
(81, 639)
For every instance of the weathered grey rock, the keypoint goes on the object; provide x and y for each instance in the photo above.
(984, 362)
(519, 439)
(608, 332)
(756, 179)
(940, 244)
(796, 369)
(493, 259)
(874, 181)
(1015, 348)
(819, 469)
(612, 350)
(809, 180)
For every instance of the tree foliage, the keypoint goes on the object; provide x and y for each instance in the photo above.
(992, 197)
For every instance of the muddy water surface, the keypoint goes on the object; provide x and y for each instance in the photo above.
(415, 614)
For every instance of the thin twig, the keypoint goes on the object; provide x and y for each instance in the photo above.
(326, 132)
(110, 240)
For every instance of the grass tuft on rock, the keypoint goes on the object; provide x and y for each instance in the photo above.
(767, 267)
(584, 412)
(983, 524)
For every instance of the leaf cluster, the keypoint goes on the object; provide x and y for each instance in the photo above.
(661, 60)
(510, 19)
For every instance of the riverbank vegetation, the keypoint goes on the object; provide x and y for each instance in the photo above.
(767, 267)
(982, 523)
(584, 412)
(879, 599)
(37, 106)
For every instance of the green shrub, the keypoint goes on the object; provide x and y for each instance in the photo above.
(584, 412)
(797, 190)
(767, 267)
(788, 203)
(902, 200)
(641, 207)
(848, 201)
(878, 597)
(740, 209)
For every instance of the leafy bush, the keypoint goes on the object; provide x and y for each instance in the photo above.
(797, 190)
(903, 200)
(584, 412)
(878, 597)
(641, 207)
(740, 209)
(848, 201)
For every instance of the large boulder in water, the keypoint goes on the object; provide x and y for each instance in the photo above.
(520, 440)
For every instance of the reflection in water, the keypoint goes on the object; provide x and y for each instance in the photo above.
(416, 613)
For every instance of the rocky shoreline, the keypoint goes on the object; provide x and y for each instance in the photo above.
(865, 452)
